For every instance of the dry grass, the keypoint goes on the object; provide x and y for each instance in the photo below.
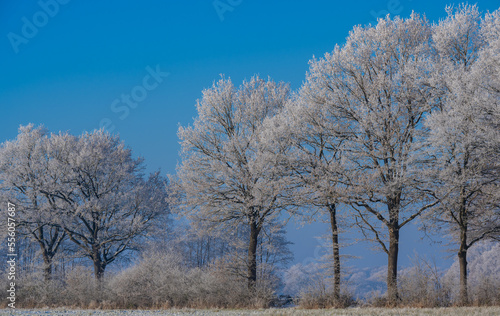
(452, 311)
(158, 282)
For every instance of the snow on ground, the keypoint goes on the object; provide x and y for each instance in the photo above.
(464, 311)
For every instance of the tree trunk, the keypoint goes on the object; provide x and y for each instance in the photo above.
(47, 258)
(462, 260)
(252, 255)
(47, 269)
(99, 265)
(98, 270)
(392, 265)
(336, 251)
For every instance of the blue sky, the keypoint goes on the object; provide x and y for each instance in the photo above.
(66, 64)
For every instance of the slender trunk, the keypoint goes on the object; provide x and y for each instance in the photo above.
(336, 251)
(207, 260)
(392, 265)
(462, 251)
(252, 255)
(462, 260)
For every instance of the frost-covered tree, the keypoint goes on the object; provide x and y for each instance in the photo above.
(484, 277)
(316, 145)
(27, 174)
(108, 205)
(373, 93)
(202, 245)
(229, 174)
(88, 189)
(465, 134)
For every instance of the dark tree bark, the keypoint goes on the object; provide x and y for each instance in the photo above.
(49, 243)
(47, 269)
(392, 255)
(336, 251)
(462, 261)
(469, 231)
(99, 264)
(392, 265)
(394, 226)
(252, 254)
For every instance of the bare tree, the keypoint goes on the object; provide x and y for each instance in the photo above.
(26, 175)
(201, 243)
(108, 205)
(314, 138)
(375, 90)
(272, 254)
(465, 133)
(228, 174)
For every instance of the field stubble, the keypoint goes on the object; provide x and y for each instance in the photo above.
(455, 311)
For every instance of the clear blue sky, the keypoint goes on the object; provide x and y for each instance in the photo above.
(67, 66)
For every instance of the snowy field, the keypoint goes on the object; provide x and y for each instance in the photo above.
(465, 311)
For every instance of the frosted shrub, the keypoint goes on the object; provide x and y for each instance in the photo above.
(483, 275)
(421, 285)
(228, 284)
(33, 290)
(161, 281)
(155, 281)
(217, 287)
(321, 296)
(311, 287)
(82, 289)
(486, 292)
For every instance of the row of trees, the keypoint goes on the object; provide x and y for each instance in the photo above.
(401, 122)
(86, 194)
(87, 197)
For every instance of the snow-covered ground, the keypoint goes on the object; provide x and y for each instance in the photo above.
(463, 311)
